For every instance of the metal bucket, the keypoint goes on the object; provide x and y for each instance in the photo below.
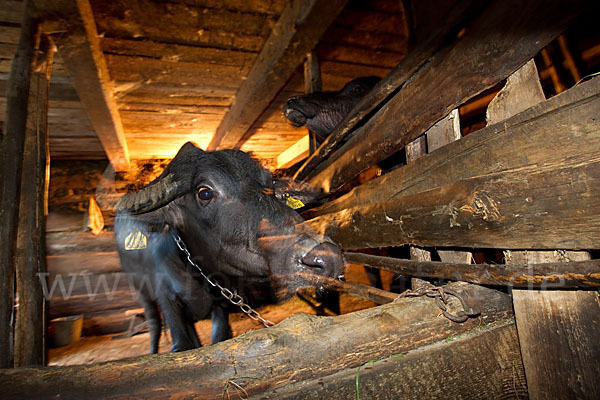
(67, 330)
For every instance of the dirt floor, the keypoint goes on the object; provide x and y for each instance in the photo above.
(93, 349)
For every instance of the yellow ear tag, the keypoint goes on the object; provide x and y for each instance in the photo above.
(135, 241)
(293, 203)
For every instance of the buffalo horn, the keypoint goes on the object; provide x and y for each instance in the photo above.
(153, 196)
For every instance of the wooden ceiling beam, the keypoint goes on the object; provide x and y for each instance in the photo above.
(78, 45)
(296, 33)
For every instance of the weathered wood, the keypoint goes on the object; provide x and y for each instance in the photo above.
(299, 28)
(493, 55)
(550, 274)
(79, 47)
(558, 332)
(87, 305)
(312, 83)
(215, 27)
(30, 326)
(532, 208)
(485, 363)
(11, 158)
(542, 324)
(504, 143)
(434, 24)
(301, 347)
(445, 131)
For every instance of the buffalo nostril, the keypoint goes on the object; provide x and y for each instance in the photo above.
(326, 256)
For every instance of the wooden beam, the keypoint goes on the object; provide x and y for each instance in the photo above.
(532, 208)
(79, 47)
(435, 21)
(505, 144)
(12, 144)
(493, 52)
(485, 364)
(294, 153)
(302, 347)
(297, 31)
(30, 327)
(560, 275)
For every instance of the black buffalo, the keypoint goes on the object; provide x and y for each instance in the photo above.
(223, 207)
(321, 112)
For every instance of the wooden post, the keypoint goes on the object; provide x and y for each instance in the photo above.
(11, 160)
(30, 324)
(556, 364)
(445, 131)
(312, 83)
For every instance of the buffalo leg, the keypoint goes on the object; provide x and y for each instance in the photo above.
(183, 333)
(220, 325)
(152, 316)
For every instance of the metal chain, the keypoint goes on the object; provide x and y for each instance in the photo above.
(441, 299)
(233, 297)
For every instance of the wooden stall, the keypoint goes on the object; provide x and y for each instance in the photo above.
(471, 169)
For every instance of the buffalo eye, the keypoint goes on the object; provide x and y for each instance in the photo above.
(205, 195)
(357, 89)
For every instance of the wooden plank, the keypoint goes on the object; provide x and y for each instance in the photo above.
(297, 31)
(79, 47)
(216, 27)
(504, 144)
(542, 330)
(558, 332)
(296, 349)
(294, 153)
(531, 208)
(11, 159)
(435, 23)
(520, 274)
(490, 44)
(30, 326)
(484, 364)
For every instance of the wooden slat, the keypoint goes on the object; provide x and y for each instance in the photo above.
(301, 347)
(299, 28)
(435, 23)
(11, 159)
(294, 153)
(493, 54)
(79, 47)
(464, 159)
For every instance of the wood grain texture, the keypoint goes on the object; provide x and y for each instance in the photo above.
(558, 332)
(303, 346)
(532, 208)
(298, 30)
(493, 54)
(485, 363)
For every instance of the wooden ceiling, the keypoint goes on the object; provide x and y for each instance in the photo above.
(174, 68)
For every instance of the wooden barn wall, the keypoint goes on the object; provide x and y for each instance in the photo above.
(77, 255)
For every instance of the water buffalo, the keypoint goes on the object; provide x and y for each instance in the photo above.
(222, 205)
(321, 112)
